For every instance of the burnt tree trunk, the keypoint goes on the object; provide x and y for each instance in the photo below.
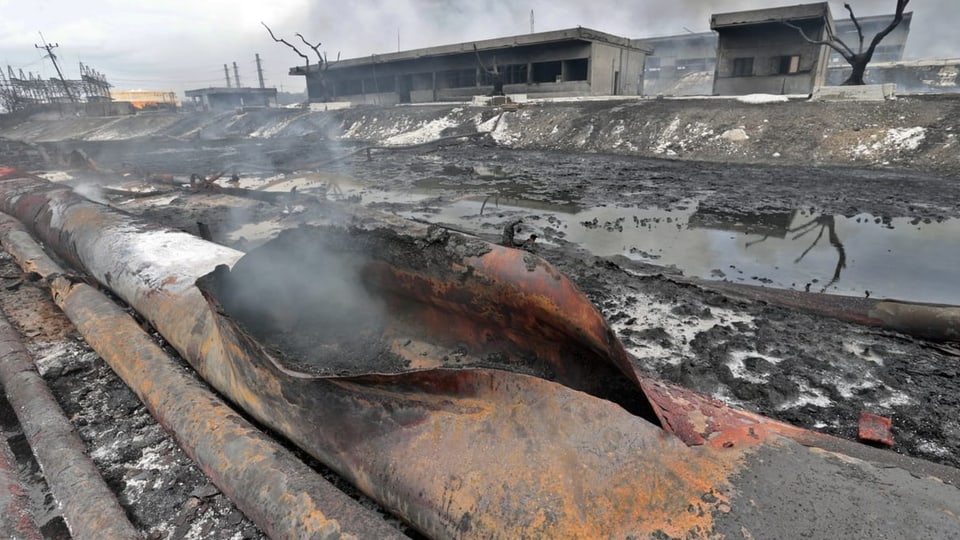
(858, 63)
(858, 59)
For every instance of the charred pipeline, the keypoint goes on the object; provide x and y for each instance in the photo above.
(348, 301)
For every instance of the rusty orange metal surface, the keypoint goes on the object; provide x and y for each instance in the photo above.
(89, 507)
(279, 493)
(875, 429)
(544, 430)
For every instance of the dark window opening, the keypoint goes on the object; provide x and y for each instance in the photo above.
(459, 78)
(547, 72)
(515, 74)
(743, 67)
(510, 74)
(576, 70)
(349, 87)
(422, 81)
(789, 65)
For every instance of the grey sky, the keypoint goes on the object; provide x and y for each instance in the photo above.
(180, 44)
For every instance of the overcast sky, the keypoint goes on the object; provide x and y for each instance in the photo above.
(180, 44)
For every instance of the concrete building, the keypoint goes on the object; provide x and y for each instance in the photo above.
(684, 65)
(572, 62)
(223, 99)
(756, 55)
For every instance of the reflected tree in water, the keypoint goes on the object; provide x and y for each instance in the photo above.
(825, 223)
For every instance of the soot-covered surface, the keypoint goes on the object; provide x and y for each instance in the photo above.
(813, 371)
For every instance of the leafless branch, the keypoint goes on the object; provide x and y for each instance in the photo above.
(316, 48)
(306, 58)
(898, 16)
(857, 24)
(479, 61)
(835, 43)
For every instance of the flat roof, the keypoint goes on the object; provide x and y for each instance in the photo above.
(799, 12)
(555, 36)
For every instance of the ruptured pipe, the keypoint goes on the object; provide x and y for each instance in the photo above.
(277, 491)
(492, 453)
(89, 508)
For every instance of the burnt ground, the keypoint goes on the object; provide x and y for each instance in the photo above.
(809, 370)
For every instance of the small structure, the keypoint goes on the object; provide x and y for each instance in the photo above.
(684, 64)
(758, 53)
(572, 62)
(148, 100)
(223, 99)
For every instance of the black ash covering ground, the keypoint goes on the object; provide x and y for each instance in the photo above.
(812, 371)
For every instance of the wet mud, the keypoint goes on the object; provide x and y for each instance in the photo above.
(593, 217)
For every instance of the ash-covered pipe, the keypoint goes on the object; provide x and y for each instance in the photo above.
(489, 453)
(277, 491)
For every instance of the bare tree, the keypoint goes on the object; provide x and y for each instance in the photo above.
(496, 77)
(857, 60)
(306, 59)
(322, 63)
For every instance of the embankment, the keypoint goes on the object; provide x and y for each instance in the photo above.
(914, 132)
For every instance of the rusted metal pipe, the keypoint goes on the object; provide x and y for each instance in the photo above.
(16, 521)
(487, 452)
(927, 321)
(89, 508)
(278, 492)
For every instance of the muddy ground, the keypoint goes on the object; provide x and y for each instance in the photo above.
(813, 371)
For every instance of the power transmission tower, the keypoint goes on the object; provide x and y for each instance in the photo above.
(53, 58)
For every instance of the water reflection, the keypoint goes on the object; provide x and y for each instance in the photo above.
(779, 225)
(799, 249)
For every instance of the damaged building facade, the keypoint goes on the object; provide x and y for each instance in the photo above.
(571, 62)
(758, 53)
(685, 64)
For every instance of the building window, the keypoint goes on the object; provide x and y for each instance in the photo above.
(459, 78)
(515, 74)
(547, 72)
(575, 70)
(789, 65)
(743, 67)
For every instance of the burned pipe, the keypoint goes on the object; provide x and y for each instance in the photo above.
(89, 508)
(485, 451)
(277, 491)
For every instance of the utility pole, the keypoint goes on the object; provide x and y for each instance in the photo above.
(260, 71)
(53, 58)
(531, 21)
(226, 73)
(236, 74)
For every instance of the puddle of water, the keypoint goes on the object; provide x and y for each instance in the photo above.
(900, 258)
